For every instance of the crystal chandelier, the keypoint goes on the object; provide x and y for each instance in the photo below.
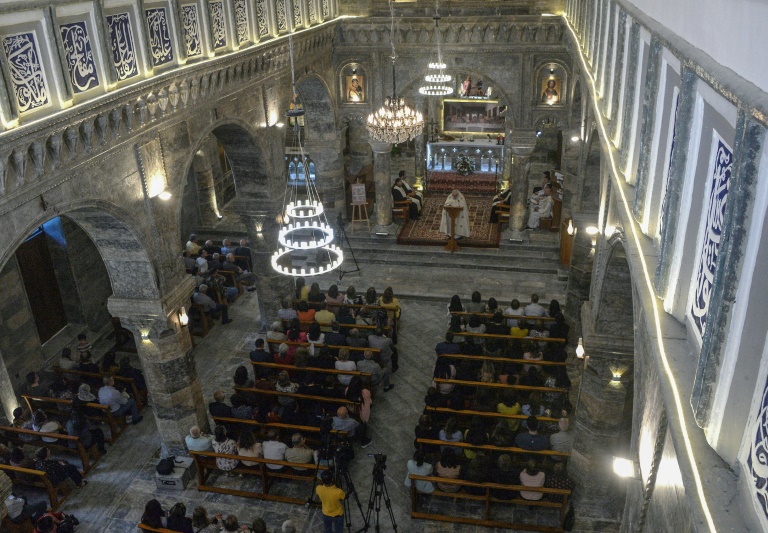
(436, 78)
(305, 239)
(394, 122)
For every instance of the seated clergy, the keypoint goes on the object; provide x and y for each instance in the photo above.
(503, 198)
(399, 195)
(410, 191)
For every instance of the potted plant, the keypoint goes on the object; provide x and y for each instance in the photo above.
(464, 165)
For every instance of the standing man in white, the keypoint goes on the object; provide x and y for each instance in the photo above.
(456, 199)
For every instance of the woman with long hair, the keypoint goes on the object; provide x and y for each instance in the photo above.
(154, 515)
(294, 333)
(305, 313)
(448, 467)
(334, 299)
(202, 524)
(225, 445)
(455, 304)
(248, 446)
(314, 294)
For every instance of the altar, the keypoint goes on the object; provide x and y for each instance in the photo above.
(487, 156)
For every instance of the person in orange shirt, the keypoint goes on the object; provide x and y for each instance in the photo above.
(331, 498)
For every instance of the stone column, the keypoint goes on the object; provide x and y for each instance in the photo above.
(520, 145)
(6, 487)
(271, 286)
(329, 168)
(601, 425)
(580, 270)
(359, 149)
(201, 166)
(165, 351)
(382, 168)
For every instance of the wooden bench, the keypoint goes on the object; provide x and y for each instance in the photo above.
(305, 325)
(139, 395)
(490, 315)
(145, 527)
(508, 337)
(487, 414)
(332, 371)
(199, 322)
(231, 281)
(482, 358)
(206, 465)
(316, 305)
(375, 351)
(291, 428)
(400, 209)
(302, 397)
(14, 435)
(487, 447)
(39, 479)
(526, 388)
(54, 406)
(488, 499)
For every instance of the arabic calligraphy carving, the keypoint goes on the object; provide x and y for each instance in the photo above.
(312, 15)
(241, 20)
(261, 17)
(159, 36)
(326, 10)
(296, 13)
(27, 74)
(79, 56)
(282, 24)
(217, 24)
(191, 24)
(715, 218)
(123, 52)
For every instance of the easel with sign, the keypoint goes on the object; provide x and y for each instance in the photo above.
(359, 206)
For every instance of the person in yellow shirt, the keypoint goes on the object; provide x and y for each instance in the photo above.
(331, 498)
(510, 406)
(520, 330)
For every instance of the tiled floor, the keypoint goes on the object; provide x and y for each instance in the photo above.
(124, 480)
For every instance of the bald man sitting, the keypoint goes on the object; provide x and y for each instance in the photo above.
(197, 441)
(343, 422)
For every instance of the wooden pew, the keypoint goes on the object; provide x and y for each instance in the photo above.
(305, 325)
(333, 371)
(206, 465)
(487, 414)
(490, 315)
(487, 447)
(400, 209)
(291, 428)
(316, 305)
(375, 351)
(482, 358)
(13, 434)
(244, 259)
(199, 323)
(231, 281)
(139, 396)
(508, 337)
(145, 527)
(297, 397)
(526, 388)
(487, 499)
(56, 494)
(54, 406)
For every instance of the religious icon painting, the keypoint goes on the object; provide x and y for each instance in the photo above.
(551, 89)
(354, 91)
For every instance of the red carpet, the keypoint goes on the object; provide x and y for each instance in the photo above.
(426, 230)
(475, 183)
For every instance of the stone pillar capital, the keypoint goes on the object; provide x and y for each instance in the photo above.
(380, 147)
(521, 142)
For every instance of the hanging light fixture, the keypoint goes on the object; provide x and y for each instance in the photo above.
(436, 78)
(394, 122)
(305, 239)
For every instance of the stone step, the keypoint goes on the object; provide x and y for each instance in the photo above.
(457, 261)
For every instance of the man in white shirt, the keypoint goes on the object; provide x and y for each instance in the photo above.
(273, 449)
(513, 310)
(119, 404)
(197, 441)
(200, 297)
(533, 308)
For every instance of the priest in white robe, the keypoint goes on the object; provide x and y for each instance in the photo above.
(456, 199)
(541, 209)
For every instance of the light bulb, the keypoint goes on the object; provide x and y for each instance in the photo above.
(580, 350)
(570, 227)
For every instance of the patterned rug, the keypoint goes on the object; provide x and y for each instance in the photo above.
(426, 230)
(475, 183)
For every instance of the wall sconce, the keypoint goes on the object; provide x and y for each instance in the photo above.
(144, 334)
(280, 124)
(592, 230)
(183, 317)
(616, 378)
(580, 354)
(626, 468)
(575, 138)
(165, 195)
(571, 229)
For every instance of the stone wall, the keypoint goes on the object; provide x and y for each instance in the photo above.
(19, 342)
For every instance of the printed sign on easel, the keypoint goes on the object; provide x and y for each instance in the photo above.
(358, 194)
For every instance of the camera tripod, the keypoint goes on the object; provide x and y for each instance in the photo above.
(378, 493)
(341, 226)
(330, 449)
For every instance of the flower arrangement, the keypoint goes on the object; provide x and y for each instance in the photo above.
(464, 165)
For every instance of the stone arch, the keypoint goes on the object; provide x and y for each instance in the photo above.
(614, 308)
(576, 107)
(589, 194)
(248, 158)
(120, 246)
(321, 114)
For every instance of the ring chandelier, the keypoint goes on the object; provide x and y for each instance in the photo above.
(436, 78)
(304, 229)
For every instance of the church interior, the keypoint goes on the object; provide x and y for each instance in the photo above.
(343, 233)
